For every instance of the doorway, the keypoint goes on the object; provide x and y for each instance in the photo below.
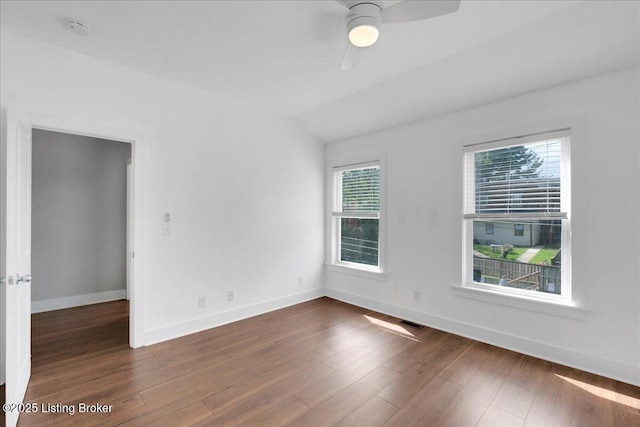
(17, 129)
(79, 234)
(135, 140)
(79, 220)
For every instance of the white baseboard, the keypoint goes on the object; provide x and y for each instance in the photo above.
(611, 369)
(196, 325)
(76, 300)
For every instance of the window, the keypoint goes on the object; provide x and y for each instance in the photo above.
(356, 227)
(488, 228)
(518, 230)
(518, 184)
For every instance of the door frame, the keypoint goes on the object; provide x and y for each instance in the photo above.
(6, 104)
(137, 140)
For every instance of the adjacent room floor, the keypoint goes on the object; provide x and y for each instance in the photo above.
(319, 363)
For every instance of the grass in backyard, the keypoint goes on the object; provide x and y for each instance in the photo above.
(486, 250)
(544, 255)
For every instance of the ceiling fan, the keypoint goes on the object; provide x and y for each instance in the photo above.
(365, 17)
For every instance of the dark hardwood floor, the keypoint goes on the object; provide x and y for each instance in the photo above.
(318, 363)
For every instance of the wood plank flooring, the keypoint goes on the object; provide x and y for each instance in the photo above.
(320, 363)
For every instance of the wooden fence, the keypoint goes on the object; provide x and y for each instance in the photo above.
(544, 278)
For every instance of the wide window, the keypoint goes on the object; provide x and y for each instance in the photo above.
(356, 216)
(516, 216)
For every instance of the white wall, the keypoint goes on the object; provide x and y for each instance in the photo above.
(79, 215)
(244, 189)
(424, 226)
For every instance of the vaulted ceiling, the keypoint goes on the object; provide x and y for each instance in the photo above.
(284, 57)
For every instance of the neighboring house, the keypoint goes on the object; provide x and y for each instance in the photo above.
(532, 195)
(486, 233)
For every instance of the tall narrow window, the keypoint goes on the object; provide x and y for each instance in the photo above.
(517, 185)
(518, 230)
(356, 216)
(488, 228)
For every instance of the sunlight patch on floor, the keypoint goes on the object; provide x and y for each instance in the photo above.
(391, 327)
(604, 393)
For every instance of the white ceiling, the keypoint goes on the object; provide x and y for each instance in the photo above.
(284, 56)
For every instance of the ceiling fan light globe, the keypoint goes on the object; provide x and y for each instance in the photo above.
(363, 35)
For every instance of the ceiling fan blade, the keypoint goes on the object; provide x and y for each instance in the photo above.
(411, 10)
(351, 57)
(336, 7)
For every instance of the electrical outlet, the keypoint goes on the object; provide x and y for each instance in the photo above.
(300, 281)
(202, 302)
(230, 296)
(416, 295)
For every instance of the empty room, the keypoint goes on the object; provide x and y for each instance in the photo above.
(320, 213)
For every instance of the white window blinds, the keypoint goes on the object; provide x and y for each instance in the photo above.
(520, 177)
(357, 191)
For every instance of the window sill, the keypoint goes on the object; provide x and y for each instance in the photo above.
(360, 272)
(548, 307)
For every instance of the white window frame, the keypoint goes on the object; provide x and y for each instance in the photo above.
(334, 262)
(566, 297)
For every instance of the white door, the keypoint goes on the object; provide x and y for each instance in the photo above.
(16, 257)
